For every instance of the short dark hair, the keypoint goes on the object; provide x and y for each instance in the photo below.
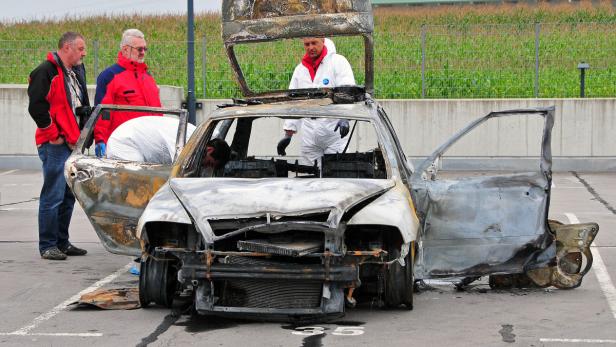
(68, 37)
(222, 151)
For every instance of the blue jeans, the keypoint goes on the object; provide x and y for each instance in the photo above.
(57, 200)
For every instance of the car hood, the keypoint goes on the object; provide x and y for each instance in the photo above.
(226, 198)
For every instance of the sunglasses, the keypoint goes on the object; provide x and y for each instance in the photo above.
(139, 49)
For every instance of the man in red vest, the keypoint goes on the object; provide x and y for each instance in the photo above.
(58, 98)
(127, 82)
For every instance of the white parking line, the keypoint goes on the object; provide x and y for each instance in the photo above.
(54, 311)
(578, 340)
(605, 282)
(8, 172)
(55, 334)
(19, 209)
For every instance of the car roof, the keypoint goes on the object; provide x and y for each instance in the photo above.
(321, 107)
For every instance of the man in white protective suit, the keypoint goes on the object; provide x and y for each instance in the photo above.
(321, 67)
(147, 139)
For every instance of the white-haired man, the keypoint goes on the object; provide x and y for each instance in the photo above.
(125, 83)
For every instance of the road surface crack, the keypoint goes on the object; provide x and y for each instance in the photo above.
(594, 193)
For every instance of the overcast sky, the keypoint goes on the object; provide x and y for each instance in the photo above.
(15, 10)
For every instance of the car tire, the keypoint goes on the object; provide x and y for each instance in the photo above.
(399, 282)
(157, 282)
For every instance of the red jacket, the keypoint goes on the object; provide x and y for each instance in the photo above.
(50, 101)
(125, 83)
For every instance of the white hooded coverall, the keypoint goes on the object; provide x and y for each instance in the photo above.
(147, 139)
(318, 135)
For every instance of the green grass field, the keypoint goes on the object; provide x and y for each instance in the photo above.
(470, 51)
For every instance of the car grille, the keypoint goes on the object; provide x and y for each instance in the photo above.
(270, 293)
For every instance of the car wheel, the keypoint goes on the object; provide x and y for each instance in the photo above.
(399, 282)
(157, 282)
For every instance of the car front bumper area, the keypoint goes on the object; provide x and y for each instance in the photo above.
(257, 284)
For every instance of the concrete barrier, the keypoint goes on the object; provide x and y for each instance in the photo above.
(582, 139)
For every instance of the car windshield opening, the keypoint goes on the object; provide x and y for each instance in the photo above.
(309, 147)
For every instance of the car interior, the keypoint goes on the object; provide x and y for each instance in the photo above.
(253, 152)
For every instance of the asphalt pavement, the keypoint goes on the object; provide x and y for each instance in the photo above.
(36, 295)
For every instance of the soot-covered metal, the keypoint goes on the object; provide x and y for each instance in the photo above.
(272, 239)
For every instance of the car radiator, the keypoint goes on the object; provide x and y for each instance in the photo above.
(257, 293)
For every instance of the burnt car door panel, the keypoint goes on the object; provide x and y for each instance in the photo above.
(114, 193)
(484, 224)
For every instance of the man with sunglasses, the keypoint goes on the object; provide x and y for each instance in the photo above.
(127, 82)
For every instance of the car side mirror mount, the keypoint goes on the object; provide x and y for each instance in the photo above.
(432, 170)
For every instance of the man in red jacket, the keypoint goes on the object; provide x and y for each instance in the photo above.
(125, 83)
(58, 97)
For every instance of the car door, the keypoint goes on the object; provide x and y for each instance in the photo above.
(482, 224)
(114, 193)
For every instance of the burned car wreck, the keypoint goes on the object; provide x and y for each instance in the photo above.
(269, 238)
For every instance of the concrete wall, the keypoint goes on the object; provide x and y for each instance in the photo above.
(582, 139)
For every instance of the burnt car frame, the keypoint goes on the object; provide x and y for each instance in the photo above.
(255, 241)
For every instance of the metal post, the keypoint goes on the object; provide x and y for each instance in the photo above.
(95, 59)
(192, 117)
(583, 66)
(423, 61)
(204, 67)
(537, 33)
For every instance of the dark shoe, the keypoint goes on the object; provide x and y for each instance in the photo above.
(53, 253)
(72, 250)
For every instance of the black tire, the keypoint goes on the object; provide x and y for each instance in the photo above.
(399, 282)
(157, 282)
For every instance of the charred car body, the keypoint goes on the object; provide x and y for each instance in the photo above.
(267, 236)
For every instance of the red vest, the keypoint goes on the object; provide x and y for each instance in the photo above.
(125, 83)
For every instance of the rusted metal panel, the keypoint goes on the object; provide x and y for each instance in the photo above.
(572, 241)
(236, 10)
(339, 273)
(112, 298)
(258, 20)
(488, 224)
(114, 193)
(252, 21)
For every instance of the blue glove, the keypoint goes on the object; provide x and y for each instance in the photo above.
(283, 144)
(100, 149)
(343, 125)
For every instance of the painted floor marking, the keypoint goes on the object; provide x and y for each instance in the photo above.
(578, 340)
(8, 172)
(19, 209)
(55, 334)
(54, 311)
(605, 282)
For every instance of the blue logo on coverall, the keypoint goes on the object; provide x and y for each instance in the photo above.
(325, 81)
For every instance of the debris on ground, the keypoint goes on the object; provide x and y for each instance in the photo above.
(112, 299)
